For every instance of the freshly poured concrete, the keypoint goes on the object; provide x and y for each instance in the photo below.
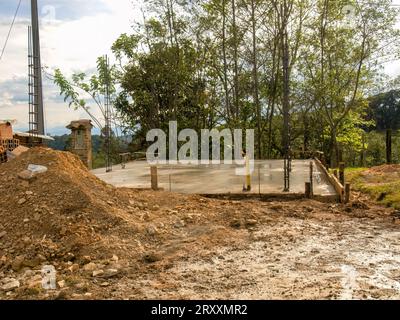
(217, 179)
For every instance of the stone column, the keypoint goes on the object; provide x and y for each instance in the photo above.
(81, 140)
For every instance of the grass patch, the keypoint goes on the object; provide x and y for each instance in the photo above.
(383, 188)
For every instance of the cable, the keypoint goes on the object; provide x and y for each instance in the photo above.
(9, 31)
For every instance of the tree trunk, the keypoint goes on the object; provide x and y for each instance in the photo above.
(286, 84)
(389, 146)
(227, 104)
(255, 78)
(236, 62)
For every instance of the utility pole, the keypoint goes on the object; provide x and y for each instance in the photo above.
(107, 107)
(38, 114)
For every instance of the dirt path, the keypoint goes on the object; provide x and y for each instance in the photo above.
(321, 257)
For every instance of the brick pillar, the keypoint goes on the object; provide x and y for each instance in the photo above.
(81, 140)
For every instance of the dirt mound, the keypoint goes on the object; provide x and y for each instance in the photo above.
(383, 169)
(59, 212)
(68, 218)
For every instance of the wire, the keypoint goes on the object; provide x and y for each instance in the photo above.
(9, 31)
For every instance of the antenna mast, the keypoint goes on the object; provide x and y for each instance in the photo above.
(36, 114)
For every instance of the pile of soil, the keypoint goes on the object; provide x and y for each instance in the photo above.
(384, 169)
(68, 218)
(58, 212)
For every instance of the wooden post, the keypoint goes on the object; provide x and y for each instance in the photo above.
(347, 193)
(311, 178)
(335, 173)
(341, 173)
(308, 190)
(154, 178)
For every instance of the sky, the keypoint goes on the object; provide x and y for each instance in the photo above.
(73, 34)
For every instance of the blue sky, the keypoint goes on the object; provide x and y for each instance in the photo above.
(73, 34)
(65, 9)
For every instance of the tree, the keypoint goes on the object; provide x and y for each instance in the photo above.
(83, 89)
(342, 60)
(384, 108)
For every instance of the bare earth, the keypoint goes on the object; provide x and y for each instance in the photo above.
(113, 243)
(290, 255)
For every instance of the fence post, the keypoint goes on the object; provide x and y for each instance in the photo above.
(347, 193)
(154, 178)
(308, 190)
(311, 178)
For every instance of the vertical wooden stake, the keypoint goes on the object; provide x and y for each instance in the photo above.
(311, 178)
(347, 193)
(308, 190)
(154, 178)
(335, 173)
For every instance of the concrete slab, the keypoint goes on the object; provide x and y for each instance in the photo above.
(217, 179)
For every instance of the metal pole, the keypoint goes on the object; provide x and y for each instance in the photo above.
(38, 86)
(107, 116)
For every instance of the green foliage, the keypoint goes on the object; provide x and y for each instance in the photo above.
(376, 150)
(60, 142)
(384, 108)
(118, 145)
(214, 63)
(82, 89)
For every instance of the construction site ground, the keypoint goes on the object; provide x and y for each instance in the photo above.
(266, 177)
(119, 243)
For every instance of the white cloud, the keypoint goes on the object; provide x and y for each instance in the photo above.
(5, 99)
(71, 45)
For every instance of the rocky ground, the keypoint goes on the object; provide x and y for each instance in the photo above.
(108, 243)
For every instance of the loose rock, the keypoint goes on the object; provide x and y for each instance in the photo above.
(10, 286)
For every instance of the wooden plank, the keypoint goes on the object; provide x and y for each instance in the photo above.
(268, 196)
(339, 188)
